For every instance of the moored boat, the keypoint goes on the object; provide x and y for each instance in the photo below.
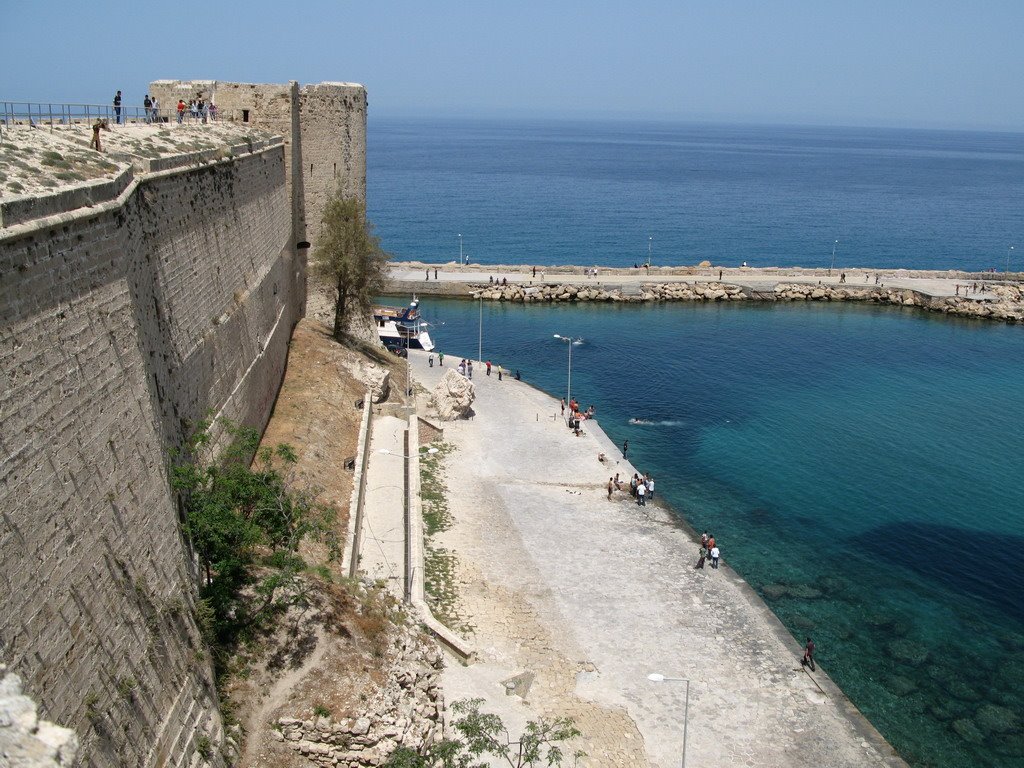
(402, 327)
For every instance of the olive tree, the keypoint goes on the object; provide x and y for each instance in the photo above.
(349, 255)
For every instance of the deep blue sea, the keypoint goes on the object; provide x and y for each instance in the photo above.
(594, 193)
(860, 466)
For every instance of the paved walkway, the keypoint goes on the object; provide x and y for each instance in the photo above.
(382, 552)
(587, 596)
(749, 277)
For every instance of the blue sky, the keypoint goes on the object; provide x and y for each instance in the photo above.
(896, 63)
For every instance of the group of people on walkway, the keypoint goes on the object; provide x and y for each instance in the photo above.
(196, 109)
(969, 288)
(708, 549)
(641, 487)
(576, 415)
(465, 367)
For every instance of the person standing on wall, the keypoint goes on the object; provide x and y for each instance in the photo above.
(117, 107)
(99, 125)
(155, 103)
(147, 108)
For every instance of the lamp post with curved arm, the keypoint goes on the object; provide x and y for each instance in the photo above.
(655, 677)
(568, 382)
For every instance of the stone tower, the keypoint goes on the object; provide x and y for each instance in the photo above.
(323, 125)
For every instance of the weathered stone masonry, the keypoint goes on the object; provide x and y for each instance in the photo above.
(323, 125)
(121, 323)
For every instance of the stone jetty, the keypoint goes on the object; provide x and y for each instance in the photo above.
(1007, 303)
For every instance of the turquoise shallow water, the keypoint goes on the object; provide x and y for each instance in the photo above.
(860, 467)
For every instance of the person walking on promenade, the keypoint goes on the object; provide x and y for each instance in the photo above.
(440, 359)
(641, 494)
(117, 107)
(155, 103)
(703, 555)
(719, 280)
(428, 274)
(711, 542)
(611, 487)
(435, 273)
(147, 108)
(714, 557)
(469, 370)
(499, 373)
(808, 659)
(488, 364)
(650, 487)
(430, 360)
(181, 110)
(625, 448)
(562, 403)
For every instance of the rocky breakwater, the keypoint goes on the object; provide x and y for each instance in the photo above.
(1005, 302)
(513, 292)
(407, 710)
(1001, 302)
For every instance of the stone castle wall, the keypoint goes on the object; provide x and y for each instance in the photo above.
(119, 324)
(323, 125)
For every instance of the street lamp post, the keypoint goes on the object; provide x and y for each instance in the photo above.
(460, 249)
(1008, 258)
(833, 264)
(649, 243)
(389, 452)
(480, 338)
(568, 381)
(654, 677)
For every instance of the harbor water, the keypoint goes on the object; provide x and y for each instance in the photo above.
(860, 466)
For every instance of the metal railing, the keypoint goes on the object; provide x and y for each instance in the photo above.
(38, 114)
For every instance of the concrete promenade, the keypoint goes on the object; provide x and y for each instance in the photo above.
(454, 279)
(382, 550)
(579, 598)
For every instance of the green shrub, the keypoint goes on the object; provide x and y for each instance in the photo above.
(245, 520)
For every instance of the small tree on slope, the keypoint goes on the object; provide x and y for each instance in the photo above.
(350, 256)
